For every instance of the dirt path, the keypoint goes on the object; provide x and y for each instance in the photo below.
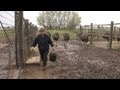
(76, 63)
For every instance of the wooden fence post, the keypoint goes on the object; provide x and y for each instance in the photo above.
(114, 34)
(20, 38)
(16, 39)
(80, 28)
(119, 31)
(111, 34)
(26, 37)
(28, 33)
(91, 33)
(98, 34)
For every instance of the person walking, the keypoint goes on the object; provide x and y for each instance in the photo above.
(43, 41)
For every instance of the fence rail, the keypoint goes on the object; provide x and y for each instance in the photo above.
(111, 28)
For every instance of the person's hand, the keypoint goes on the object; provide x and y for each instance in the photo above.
(32, 48)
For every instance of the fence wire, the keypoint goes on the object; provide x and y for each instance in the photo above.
(16, 37)
(103, 35)
(7, 44)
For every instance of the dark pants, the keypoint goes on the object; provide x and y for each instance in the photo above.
(43, 54)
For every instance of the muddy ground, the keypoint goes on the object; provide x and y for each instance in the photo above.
(7, 55)
(76, 62)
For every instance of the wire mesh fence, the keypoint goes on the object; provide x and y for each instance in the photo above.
(25, 34)
(7, 44)
(16, 37)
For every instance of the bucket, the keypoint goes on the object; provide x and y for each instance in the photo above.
(52, 56)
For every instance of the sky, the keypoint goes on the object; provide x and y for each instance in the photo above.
(87, 17)
(7, 18)
(32, 16)
(99, 17)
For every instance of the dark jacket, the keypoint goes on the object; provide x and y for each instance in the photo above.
(43, 42)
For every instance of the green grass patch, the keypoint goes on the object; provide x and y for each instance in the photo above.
(9, 34)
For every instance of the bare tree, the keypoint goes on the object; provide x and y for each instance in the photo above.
(59, 19)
